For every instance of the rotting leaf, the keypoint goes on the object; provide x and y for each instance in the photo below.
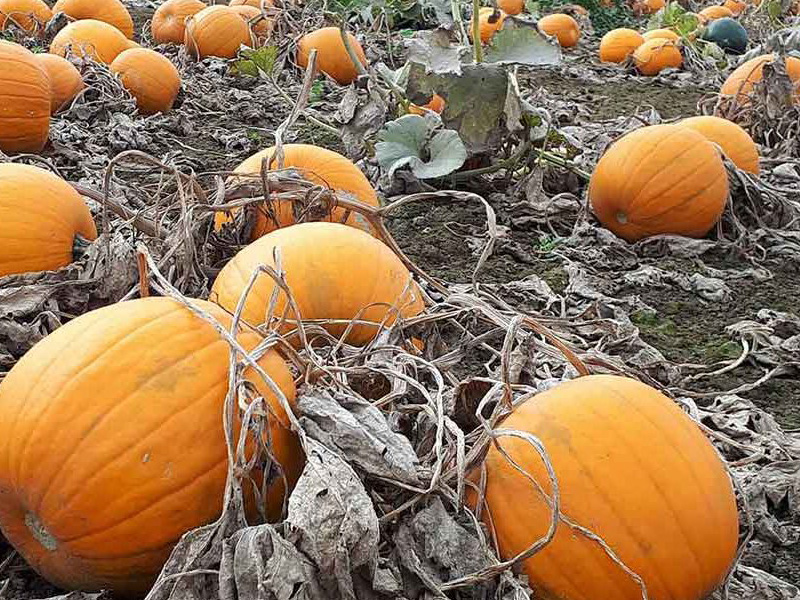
(434, 50)
(519, 42)
(362, 114)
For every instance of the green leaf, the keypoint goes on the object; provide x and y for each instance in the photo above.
(519, 42)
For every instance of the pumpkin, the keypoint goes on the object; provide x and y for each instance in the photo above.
(65, 80)
(728, 34)
(169, 21)
(735, 6)
(490, 21)
(253, 3)
(655, 55)
(735, 142)
(563, 27)
(260, 28)
(711, 13)
(30, 15)
(150, 78)
(511, 7)
(24, 100)
(216, 31)
(101, 503)
(319, 166)
(660, 179)
(648, 7)
(312, 258)
(436, 104)
(112, 12)
(95, 39)
(332, 57)
(740, 83)
(40, 217)
(634, 469)
(663, 34)
(618, 44)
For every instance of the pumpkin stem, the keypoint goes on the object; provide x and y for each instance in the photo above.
(79, 246)
(477, 43)
(39, 532)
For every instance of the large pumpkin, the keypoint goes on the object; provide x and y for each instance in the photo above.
(260, 27)
(65, 80)
(511, 7)
(664, 34)
(169, 21)
(490, 21)
(740, 83)
(657, 54)
(563, 27)
(113, 444)
(332, 57)
(112, 12)
(24, 100)
(216, 31)
(735, 142)
(711, 13)
(40, 217)
(660, 179)
(318, 165)
(632, 468)
(618, 44)
(95, 39)
(150, 78)
(317, 258)
(28, 14)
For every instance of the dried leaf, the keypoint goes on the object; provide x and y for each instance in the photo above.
(519, 42)
(433, 50)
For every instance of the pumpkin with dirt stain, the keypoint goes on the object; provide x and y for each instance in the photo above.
(41, 218)
(216, 31)
(735, 142)
(332, 56)
(24, 100)
(435, 104)
(99, 504)
(30, 15)
(740, 83)
(634, 470)
(665, 34)
(490, 21)
(65, 80)
(660, 179)
(112, 12)
(95, 39)
(563, 27)
(259, 25)
(311, 255)
(710, 13)
(150, 77)
(511, 7)
(168, 25)
(618, 44)
(657, 54)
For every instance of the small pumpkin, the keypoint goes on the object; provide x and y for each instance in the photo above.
(490, 21)
(737, 7)
(563, 27)
(735, 142)
(657, 180)
(260, 27)
(169, 21)
(436, 104)
(101, 503)
(112, 12)
(24, 100)
(740, 83)
(40, 217)
(65, 80)
(657, 54)
(710, 13)
(618, 44)
(663, 34)
(511, 7)
(253, 3)
(728, 34)
(332, 57)
(150, 77)
(30, 15)
(648, 7)
(312, 258)
(634, 469)
(216, 31)
(88, 37)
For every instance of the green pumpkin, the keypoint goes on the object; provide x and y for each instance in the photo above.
(728, 34)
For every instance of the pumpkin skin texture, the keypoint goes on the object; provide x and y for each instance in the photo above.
(634, 469)
(436, 104)
(655, 55)
(617, 45)
(664, 34)
(710, 13)
(168, 25)
(563, 27)
(65, 80)
(511, 7)
(312, 257)
(142, 461)
(318, 165)
(24, 100)
(112, 12)
(28, 14)
(88, 37)
(40, 216)
(659, 180)
(150, 78)
(490, 21)
(735, 142)
(216, 31)
(740, 83)
(262, 28)
(649, 7)
(332, 57)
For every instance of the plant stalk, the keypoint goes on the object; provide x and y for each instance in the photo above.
(350, 52)
(476, 31)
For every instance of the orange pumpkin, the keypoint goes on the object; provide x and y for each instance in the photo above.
(150, 78)
(660, 179)
(332, 57)
(735, 142)
(88, 37)
(216, 31)
(169, 21)
(30, 15)
(253, 3)
(65, 80)
(711, 13)
(655, 55)
(112, 12)
(101, 503)
(317, 165)
(511, 7)
(631, 467)
(735, 6)
(24, 100)
(312, 258)
(648, 7)
(563, 27)
(40, 217)
(490, 21)
(436, 104)
(663, 34)
(618, 44)
(261, 27)
(740, 83)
